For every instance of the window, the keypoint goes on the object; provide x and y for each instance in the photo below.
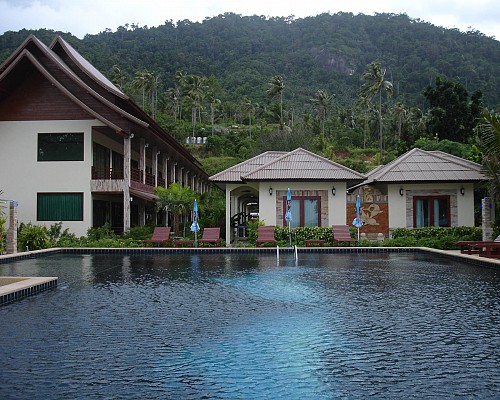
(60, 146)
(306, 211)
(431, 211)
(60, 206)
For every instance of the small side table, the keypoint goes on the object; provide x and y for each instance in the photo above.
(318, 242)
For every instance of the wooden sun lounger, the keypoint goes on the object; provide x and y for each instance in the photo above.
(265, 234)
(341, 234)
(211, 236)
(161, 236)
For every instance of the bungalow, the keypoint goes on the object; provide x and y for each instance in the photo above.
(75, 148)
(420, 188)
(259, 186)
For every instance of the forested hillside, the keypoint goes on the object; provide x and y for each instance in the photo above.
(253, 83)
(326, 51)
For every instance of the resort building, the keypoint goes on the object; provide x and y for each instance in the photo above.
(75, 148)
(258, 187)
(418, 189)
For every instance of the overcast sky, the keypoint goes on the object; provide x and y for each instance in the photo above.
(93, 16)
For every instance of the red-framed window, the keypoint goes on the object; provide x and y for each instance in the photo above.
(431, 211)
(306, 211)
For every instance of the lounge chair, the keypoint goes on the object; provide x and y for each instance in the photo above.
(341, 234)
(265, 235)
(211, 236)
(161, 236)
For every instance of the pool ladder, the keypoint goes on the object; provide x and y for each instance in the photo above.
(295, 254)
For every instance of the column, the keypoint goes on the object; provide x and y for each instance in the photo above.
(127, 154)
(156, 153)
(12, 231)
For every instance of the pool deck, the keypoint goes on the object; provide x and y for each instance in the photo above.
(16, 288)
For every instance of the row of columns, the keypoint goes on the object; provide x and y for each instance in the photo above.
(172, 172)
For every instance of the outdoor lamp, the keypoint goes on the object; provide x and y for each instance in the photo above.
(270, 191)
(334, 190)
(462, 191)
(401, 191)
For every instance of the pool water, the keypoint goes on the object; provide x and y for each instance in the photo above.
(235, 326)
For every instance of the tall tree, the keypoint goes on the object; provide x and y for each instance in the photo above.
(196, 92)
(374, 76)
(452, 115)
(276, 88)
(250, 107)
(489, 129)
(176, 199)
(322, 102)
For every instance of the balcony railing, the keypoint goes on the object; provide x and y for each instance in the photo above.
(107, 173)
(136, 175)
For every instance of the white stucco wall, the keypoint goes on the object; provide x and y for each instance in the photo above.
(22, 176)
(397, 204)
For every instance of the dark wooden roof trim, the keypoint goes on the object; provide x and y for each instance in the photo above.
(68, 94)
(68, 49)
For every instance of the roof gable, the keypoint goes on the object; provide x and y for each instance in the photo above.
(234, 173)
(423, 166)
(299, 165)
(62, 48)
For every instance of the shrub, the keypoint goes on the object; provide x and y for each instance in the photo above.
(32, 237)
(436, 237)
(139, 232)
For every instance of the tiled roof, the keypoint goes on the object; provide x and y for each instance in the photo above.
(234, 173)
(299, 164)
(426, 166)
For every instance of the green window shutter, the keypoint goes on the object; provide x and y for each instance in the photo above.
(60, 207)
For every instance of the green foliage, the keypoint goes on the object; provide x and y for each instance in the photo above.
(447, 146)
(452, 114)
(32, 237)
(101, 232)
(436, 237)
(177, 199)
(252, 229)
(139, 232)
(303, 233)
(212, 208)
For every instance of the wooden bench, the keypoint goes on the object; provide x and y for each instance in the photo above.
(479, 247)
(309, 242)
(489, 249)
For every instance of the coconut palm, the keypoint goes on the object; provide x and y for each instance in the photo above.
(489, 129)
(374, 86)
(250, 107)
(322, 102)
(276, 88)
(196, 92)
(176, 199)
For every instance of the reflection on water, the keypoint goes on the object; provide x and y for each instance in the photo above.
(241, 326)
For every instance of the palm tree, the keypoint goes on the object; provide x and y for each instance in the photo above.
(489, 129)
(375, 84)
(140, 83)
(196, 92)
(276, 88)
(250, 107)
(322, 102)
(177, 199)
(401, 112)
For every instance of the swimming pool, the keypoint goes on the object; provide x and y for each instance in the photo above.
(246, 326)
